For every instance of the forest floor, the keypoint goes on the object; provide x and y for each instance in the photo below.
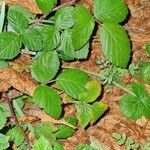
(138, 27)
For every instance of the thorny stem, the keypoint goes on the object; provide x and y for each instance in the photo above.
(98, 75)
(39, 113)
(16, 120)
(69, 3)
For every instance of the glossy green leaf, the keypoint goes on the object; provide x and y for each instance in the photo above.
(139, 90)
(42, 144)
(65, 132)
(148, 48)
(45, 129)
(83, 52)
(10, 45)
(32, 39)
(45, 67)
(144, 72)
(25, 12)
(66, 50)
(116, 47)
(98, 109)
(45, 97)
(73, 82)
(92, 93)
(83, 28)
(3, 64)
(4, 144)
(15, 135)
(17, 21)
(46, 5)
(50, 37)
(4, 114)
(2, 16)
(58, 146)
(84, 113)
(64, 18)
(110, 10)
(136, 105)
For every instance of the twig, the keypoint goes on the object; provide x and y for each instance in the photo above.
(46, 118)
(69, 3)
(15, 119)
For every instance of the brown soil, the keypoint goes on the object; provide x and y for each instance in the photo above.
(138, 27)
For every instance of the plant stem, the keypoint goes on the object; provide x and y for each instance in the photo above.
(98, 75)
(69, 3)
(122, 87)
(16, 120)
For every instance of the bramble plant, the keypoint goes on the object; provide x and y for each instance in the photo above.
(50, 39)
(129, 142)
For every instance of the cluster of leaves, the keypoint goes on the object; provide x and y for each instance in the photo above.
(60, 37)
(51, 41)
(136, 104)
(129, 142)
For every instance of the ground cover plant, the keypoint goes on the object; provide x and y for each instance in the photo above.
(33, 107)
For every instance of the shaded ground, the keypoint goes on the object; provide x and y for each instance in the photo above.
(138, 27)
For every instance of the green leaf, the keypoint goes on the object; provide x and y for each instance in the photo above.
(32, 39)
(46, 5)
(25, 12)
(15, 135)
(148, 48)
(63, 21)
(58, 146)
(2, 16)
(73, 82)
(66, 50)
(84, 113)
(83, 28)
(42, 144)
(3, 64)
(4, 144)
(23, 146)
(139, 90)
(116, 47)
(4, 113)
(17, 20)
(98, 109)
(83, 52)
(110, 10)
(65, 132)
(46, 130)
(136, 105)
(45, 97)
(45, 67)
(144, 72)
(92, 93)
(50, 36)
(10, 45)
